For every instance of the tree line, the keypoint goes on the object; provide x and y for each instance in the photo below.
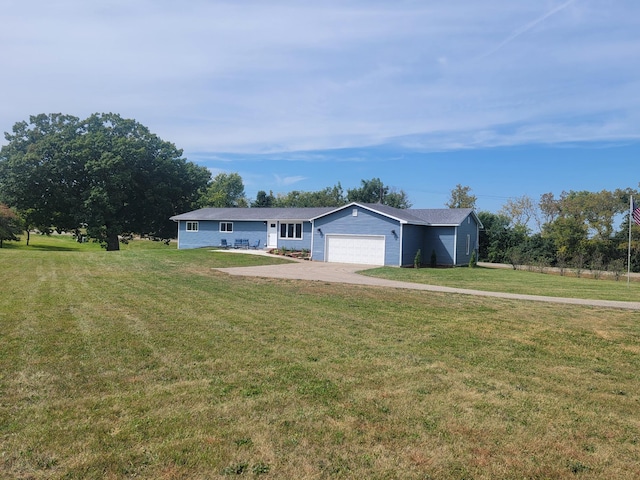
(576, 230)
(227, 190)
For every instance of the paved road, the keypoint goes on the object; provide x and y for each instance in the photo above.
(346, 273)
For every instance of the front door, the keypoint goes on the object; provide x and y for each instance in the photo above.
(272, 234)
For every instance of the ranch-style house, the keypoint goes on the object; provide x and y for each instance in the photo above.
(370, 234)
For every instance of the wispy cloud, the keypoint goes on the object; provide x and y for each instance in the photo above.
(287, 181)
(525, 28)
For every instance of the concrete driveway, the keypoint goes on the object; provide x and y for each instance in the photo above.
(347, 273)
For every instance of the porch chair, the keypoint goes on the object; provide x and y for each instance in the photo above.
(256, 245)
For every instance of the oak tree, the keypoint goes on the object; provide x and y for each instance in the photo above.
(106, 173)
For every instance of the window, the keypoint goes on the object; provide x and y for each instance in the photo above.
(226, 226)
(468, 243)
(291, 230)
(192, 226)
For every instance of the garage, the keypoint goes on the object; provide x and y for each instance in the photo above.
(364, 249)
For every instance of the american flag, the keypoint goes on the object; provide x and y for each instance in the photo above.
(635, 213)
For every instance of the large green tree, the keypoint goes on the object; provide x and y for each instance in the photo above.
(499, 237)
(263, 200)
(374, 191)
(106, 173)
(225, 190)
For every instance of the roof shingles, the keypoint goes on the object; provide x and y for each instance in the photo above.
(431, 216)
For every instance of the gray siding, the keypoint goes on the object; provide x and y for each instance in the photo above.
(209, 234)
(412, 241)
(204, 237)
(366, 223)
(440, 239)
(467, 227)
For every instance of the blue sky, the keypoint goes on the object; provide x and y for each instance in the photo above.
(507, 97)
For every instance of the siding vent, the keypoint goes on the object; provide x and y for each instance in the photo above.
(354, 212)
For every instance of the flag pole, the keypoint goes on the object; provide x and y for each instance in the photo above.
(629, 252)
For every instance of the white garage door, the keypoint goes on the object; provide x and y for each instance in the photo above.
(365, 249)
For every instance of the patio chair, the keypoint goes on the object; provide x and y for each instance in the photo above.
(256, 245)
(224, 244)
(237, 243)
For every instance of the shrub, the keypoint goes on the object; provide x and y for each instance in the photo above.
(434, 261)
(473, 261)
(417, 260)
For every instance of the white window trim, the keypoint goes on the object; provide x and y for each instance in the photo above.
(227, 230)
(468, 243)
(294, 230)
(191, 223)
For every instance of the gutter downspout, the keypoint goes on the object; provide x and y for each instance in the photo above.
(401, 244)
(477, 241)
(313, 236)
(455, 246)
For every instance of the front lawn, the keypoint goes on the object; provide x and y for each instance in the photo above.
(148, 363)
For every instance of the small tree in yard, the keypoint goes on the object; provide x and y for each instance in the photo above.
(597, 265)
(514, 255)
(11, 225)
(616, 267)
(578, 264)
(417, 260)
(473, 262)
(561, 260)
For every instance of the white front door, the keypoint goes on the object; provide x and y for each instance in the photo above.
(272, 234)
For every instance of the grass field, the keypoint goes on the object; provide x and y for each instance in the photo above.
(147, 363)
(515, 281)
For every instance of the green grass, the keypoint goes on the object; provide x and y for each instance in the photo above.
(148, 363)
(514, 281)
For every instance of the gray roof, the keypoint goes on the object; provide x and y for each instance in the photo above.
(430, 216)
(253, 214)
(442, 216)
(416, 216)
(403, 214)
